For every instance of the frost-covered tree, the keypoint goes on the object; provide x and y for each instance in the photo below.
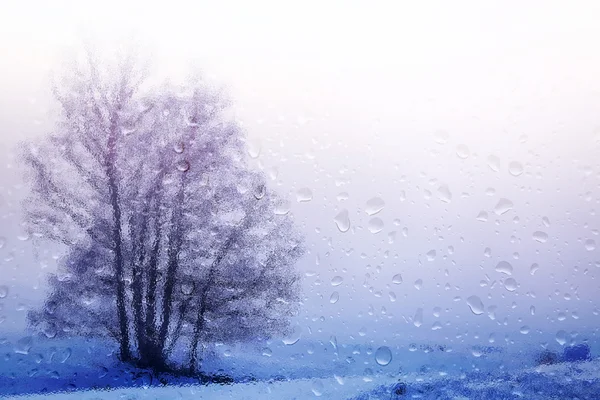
(172, 239)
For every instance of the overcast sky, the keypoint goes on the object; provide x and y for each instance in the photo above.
(354, 102)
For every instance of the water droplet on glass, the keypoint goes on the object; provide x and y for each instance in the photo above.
(475, 304)
(430, 255)
(590, 245)
(253, 148)
(504, 267)
(524, 330)
(178, 148)
(503, 206)
(3, 291)
(397, 279)
(335, 296)
(493, 162)
(342, 196)
(23, 345)
(540, 236)
(418, 318)
(342, 221)
(482, 216)
(260, 192)
(487, 252)
(546, 222)
(304, 195)
(293, 337)
(374, 205)
(441, 137)
(444, 194)
(418, 284)
(282, 207)
(462, 151)
(515, 168)
(2, 242)
(510, 284)
(561, 337)
(317, 387)
(183, 166)
(375, 225)
(534, 267)
(337, 280)
(383, 356)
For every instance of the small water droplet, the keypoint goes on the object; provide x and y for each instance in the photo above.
(462, 151)
(482, 216)
(374, 205)
(418, 284)
(430, 255)
(317, 388)
(335, 296)
(590, 245)
(282, 207)
(383, 356)
(293, 337)
(178, 148)
(444, 194)
(254, 148)
(561, 337)
(397, 279)
(183, 166)
(260, 192)
(375, 225)
(475, 304)
(342, 221)
(510, 284)
(418, 318)
(540, 236)
(504, 267)
(524, 330)
(534, 267)
(503, 206)
(3, 291)
(337, 280)
(493, 162)
(515, 168)
(342, 196)
(546, 222)
(304, 195)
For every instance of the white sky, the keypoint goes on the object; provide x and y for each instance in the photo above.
(347, 97)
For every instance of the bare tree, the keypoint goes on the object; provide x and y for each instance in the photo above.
(172, 239)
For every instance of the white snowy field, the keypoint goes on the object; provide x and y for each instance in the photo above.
(328, 388)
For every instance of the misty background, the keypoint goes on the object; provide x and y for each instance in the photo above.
(354, 102)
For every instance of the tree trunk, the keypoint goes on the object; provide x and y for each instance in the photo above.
(113, 186)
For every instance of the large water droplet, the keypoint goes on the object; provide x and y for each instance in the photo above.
(444, 194)
(503, 206)
(23, 345)
(383, 356)
(178, 147)
(260, 192)
(374, 205)
(475, 304)
(504, 267)
(342, 221)
(515, 168)
(493, 162)
(534, 267)
(337, 280)
(418, 284)
(282, 207)
(304, 195)
(397, 279)
(3, 291)
(462, 151)
(375, 225)
(540, 236)
(510, 284)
